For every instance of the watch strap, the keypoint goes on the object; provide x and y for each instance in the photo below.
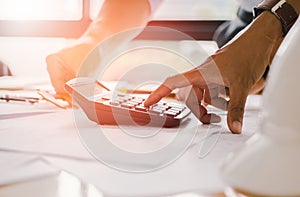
(282, 10)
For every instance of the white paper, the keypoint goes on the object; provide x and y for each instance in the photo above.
(21, 167)
(54, 136)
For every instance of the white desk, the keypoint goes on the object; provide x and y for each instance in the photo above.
(42, 139)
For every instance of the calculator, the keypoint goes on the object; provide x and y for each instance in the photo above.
(104, 106)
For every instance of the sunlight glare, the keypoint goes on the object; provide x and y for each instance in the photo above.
(41, 9)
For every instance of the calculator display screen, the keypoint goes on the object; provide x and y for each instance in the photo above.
(90, 89)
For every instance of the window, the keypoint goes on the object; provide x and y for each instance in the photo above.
(69, 18)
(63, 18)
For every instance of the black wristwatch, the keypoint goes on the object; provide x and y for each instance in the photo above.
(282, 10)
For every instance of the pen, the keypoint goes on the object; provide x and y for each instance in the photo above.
(30, 100)
(48, 97)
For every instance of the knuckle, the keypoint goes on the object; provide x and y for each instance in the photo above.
(236, 110)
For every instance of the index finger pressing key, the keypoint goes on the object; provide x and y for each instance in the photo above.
(176, 81)
(157, 95)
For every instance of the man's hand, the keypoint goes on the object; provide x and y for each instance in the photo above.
(64, 65)
(59, 72)
(237, 67)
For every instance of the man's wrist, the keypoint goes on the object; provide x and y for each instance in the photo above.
(267, 30)
(283, 11)
(269, 26)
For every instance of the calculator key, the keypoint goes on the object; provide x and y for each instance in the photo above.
(159, 108)
(174, 111)
(170, 113)
(121, 100)
(127, 105)
(114, 103)
(156, 111)
(180, 108)
(166, 107)
(137, 103)
(105, 98)
(121, 95)
(132, 103)
(161, 103)
(129, 97)
(124, 96)
(141, 108)
(173, 104)
(138, 100)
(141, 98)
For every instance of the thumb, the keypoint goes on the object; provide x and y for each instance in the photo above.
(236, 107)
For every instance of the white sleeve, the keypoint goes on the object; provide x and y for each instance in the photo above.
(248, 5)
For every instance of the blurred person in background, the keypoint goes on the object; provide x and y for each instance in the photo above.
(242, 60)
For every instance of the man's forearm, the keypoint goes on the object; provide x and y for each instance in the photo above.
(116, 16)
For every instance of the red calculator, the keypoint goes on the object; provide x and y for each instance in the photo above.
(105, 106)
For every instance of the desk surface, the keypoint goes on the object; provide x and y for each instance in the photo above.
(38, 140)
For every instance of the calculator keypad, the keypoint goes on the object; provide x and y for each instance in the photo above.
(162, 108)
(106, 108)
